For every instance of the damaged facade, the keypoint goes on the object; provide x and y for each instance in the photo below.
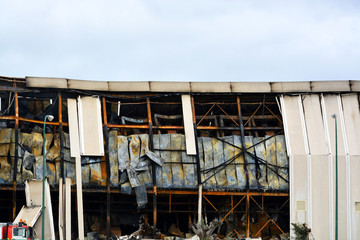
(177, 152)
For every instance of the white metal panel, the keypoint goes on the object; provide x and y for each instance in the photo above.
(175, 86)
(320, 196)
(314, 124)
(332, 106)
(352, 121)
(61, 222)
(290, 87)
(29, 215)
(133, 86)
(355, 195)
(300, 185)
(73, 127)
(294, 130)
(250, 87)
(188, 125)
(90, 126)
(210, 87)
(88, 85)
(67, 198)
(44, 82)
(330, 86)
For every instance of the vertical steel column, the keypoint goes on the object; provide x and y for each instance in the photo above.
(245, 166)
(61, 136)
(247, 215)
(151, 145)
(242, 139)
(106, 135)
(16, 153)
(197, 162)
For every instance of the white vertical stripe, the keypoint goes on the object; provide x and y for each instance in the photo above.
(347, 159)
(308, 163)
(331, 169)
(291, 165)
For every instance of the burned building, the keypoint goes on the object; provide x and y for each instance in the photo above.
(257, 156)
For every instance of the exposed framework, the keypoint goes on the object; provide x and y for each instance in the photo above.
(214, 116)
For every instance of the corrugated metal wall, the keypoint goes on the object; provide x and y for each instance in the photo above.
(310, 135)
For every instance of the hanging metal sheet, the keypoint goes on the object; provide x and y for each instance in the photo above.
(229, 152)
(188, 124)
(202, 162)
(207, 161)
(261, 153)
(239, 165)
(95, 170)
(218, 153)
(176, 161)
(113, 158)
(123, 152)
(85, 170)
(190, 180)
(158, 170)
(282, 162)
(144, 144)
(251, 167)
(165, 143)
(272, 172)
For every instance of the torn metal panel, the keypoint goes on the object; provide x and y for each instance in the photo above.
(260, 152)
(239, 164)
(123, 152)
(201, 159)
(5, 170)
(133, 178)
(95, 170)
(141, 196)
(176, 161)
(85, 170)
(5, 167)
(155, 158)
(251, 167)
(165, 143)
(282, 162)
(134, 150)
(36, 144)
(272, 175)
(144, 143)
(207, 160)
(38, 167)
(158, 170)
(189, 167)
(218, 153)
(229, 152)
(113, 158)
(51, 172)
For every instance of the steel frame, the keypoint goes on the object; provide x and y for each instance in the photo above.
(237, 120)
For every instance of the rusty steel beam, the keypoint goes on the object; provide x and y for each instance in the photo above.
(232, 209)
(29, 120)
(106, 135)
(203, 116)
(227, 115)
(16, 152)
(155, 212)
(247, 215)
(257, 109)
(61, 133)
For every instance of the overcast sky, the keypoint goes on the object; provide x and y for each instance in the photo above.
(188, 40)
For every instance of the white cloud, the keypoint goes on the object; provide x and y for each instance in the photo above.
(181, 40)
